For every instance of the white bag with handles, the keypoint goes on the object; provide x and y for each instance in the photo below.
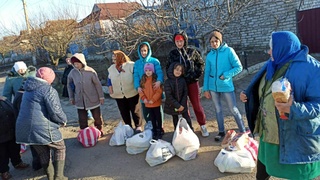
(159, 152)
(238, 161)
(120, 135)
(185, 142)
(139, 142)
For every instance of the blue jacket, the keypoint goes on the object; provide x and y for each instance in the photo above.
(40, 114)
(299, 136)
(222, 61)
(138, 69)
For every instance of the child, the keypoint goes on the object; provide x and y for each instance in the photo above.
(152, 99)
(88, 94)
(176, 91)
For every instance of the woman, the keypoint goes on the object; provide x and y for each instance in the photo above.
(193, 68)
(121, 88)
(87, 92)
(288, 148)
(39, 120)
(222, 64)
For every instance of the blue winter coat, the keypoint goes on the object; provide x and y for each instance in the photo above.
(40, 114)
(138, 69)
(222, 61)
(299, 136)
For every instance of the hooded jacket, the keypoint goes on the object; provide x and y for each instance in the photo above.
(222, 61)
(176, 92)
(190, 58)
(40, 114)
(88, 89)
(14, 81)
(138, 69)
(299, 140)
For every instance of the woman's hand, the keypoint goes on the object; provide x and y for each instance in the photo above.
(207, 94)
(284, 107)
(156, 85)
(110, 90)
(243, 97)
(101, 101)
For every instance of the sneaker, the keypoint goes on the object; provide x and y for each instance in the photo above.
(21, 165)
(6, 175)
(220, 136)
(204, 131)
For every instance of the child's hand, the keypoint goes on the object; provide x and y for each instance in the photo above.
(145, 101)
(139, 90)
(181, 108)
(207, 94)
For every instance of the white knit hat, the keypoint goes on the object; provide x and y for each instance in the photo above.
(19, 65)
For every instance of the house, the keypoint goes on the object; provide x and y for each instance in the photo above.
(101, 18)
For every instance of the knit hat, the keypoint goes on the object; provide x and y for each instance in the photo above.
(178, 37)
(19, 65)
(46, 73)
(217, 34)
(149, 66)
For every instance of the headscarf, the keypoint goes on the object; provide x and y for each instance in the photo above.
(285, 46)
(121, 58)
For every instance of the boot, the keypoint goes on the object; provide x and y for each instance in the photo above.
(59, 170)
(49, 170)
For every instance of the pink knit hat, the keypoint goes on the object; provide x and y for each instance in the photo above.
(149, 66)
(46, 73)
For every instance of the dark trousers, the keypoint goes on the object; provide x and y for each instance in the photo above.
(194, 97)
(96, 114)
(156, 119)
(175, 119)
(146, 114)
(131, 106)
(9, 151)
(44, 152)
(261, 171)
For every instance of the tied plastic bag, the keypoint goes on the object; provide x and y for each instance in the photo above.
(185, 142)
(281, 89)
(139, 142)
(239, 161)
(120, 135)
(234, 140)
(89, 136)
(159, 152)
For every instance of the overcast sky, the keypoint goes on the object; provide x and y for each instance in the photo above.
(12, 14)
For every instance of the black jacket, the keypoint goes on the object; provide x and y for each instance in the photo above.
(176, 92)
(7, 121)
(190, 58)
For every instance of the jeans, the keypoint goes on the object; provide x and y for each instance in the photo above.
(231, 102)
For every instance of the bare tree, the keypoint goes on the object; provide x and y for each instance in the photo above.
(156, 21)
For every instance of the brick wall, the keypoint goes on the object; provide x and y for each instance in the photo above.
(250, 32)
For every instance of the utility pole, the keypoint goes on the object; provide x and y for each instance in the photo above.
(26, 15)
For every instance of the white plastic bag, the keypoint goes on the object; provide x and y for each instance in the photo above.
(185, 142)
(159, 152)
(121, 134)
(139, 142)
(239, 161)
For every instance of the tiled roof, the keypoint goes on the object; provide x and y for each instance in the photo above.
(104, 11)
